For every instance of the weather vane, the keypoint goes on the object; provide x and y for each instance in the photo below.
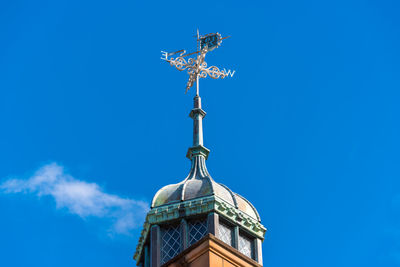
(197, 67)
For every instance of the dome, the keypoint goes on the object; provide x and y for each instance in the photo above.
(199, 184)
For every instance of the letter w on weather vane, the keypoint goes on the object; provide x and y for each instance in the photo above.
(197, 67)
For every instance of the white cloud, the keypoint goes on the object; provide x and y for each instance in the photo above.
(81, 198)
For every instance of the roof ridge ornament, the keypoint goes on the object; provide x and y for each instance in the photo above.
(197, 67)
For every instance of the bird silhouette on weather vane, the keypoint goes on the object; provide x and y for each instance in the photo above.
(197, 67)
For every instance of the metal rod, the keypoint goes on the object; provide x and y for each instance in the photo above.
(191, 54)
(197, 84)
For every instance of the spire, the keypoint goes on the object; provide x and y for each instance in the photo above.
(197, 68)
(197, 114)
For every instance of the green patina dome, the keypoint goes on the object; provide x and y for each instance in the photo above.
(200, 184)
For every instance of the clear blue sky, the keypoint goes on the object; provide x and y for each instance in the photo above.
(307, 129)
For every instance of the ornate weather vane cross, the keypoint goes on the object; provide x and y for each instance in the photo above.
(197, 67)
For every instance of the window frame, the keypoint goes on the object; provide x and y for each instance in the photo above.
(163, 229)
(252, 240)
(230, 226)
(189, 224)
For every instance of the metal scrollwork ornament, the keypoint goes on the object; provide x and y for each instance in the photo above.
(197, 67)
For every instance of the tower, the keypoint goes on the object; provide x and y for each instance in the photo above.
(199, 222)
